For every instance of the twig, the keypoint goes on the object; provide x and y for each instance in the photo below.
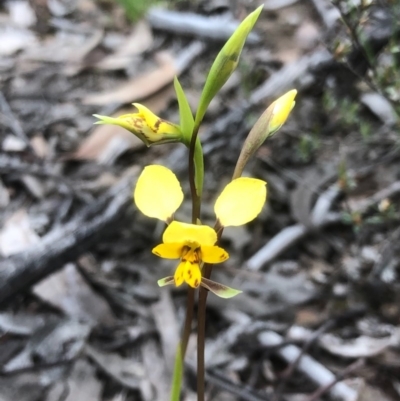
(314, 370)
(37, 367)
(322, 390)
(321, 217)
(222, 382)
(289, 371)
(12, 165)
(328, 14)
(185, 23)
(20, 271)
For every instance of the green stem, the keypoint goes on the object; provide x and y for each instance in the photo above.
(177, 376)
(182, 347)
(195, 174)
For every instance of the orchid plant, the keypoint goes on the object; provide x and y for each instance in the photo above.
(158, 193)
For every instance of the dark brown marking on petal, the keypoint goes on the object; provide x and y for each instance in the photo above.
(137, 123)
(197, 253)
(196, 283)
(157, 125)
(157, 253)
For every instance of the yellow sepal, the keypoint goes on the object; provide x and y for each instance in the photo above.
(241, 201)
(158, 193)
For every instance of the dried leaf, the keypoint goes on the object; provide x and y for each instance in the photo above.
(14, 39)
(139, 87)
(22, 388)
(40, 146)
(21, 13)
(124, 370)
(21, 324)
(68, 291)
(106, 143)
(165, 319)
(136, 43)
(12, 143)
(359, 347)
(55, 341)
(83, 385)
(156, 374)
(17, 234)
(76, 61)
(69, 48)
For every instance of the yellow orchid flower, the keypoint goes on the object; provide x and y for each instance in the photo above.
(148, 127)
(158, 194)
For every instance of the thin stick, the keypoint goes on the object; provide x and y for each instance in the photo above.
(201, 323)
(201, 328)
(188, 321)
(350, 369)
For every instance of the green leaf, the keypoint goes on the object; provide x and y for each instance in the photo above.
(185, 114)
(225, 63)
(135, 9)
(219, 289)
(165, 281)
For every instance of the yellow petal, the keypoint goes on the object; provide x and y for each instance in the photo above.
(213, 254)
(241, 201)
(282, 107)
(179, 275)
(185, 233)
(158, 193)
(168, 251)
(192, 274)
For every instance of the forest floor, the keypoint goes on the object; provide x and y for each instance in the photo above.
(82, 317)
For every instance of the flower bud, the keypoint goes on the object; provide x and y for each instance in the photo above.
(280, 111)
(270, 121)
(148, 127)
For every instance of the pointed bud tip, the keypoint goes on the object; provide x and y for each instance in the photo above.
(281, 110)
